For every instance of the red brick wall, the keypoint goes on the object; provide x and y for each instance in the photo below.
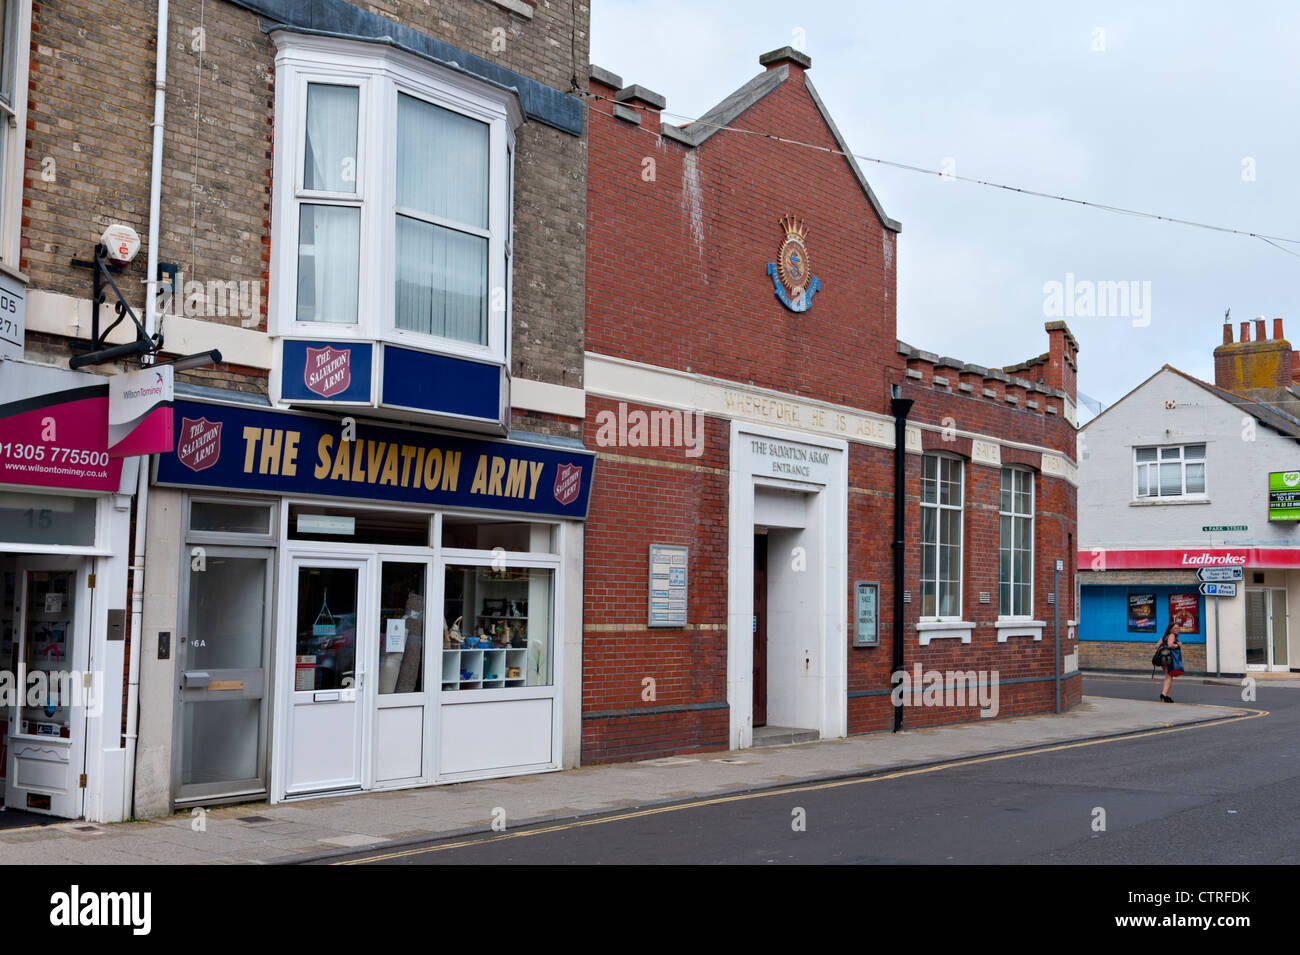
(676, 277)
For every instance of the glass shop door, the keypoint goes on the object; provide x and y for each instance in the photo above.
(222, 652)
(332, 646)
(45, 745)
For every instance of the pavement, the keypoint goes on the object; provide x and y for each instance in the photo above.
(319, 829)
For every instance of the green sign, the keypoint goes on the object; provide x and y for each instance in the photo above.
(1224, 527)
(1284, 496)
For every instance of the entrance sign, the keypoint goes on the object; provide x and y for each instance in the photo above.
(867, 613)
(668, 565)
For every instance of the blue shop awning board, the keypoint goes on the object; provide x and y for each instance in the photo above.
(249, 449)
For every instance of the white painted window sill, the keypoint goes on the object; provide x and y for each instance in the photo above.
(516, 6)
(1018, 627)
(929, 630)
(1157, 501)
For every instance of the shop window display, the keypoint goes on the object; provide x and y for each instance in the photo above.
(497, 630)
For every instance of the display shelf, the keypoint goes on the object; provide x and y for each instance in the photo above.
(483, 668)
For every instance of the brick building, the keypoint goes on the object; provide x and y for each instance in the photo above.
(744, 388)
(1179, 475)
(358, 563)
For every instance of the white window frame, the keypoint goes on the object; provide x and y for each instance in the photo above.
(961, 542)
(381, 73)
(1016, 516)
(13, 133)
(1153, 467)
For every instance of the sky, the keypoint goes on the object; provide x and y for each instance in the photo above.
(1186, 110)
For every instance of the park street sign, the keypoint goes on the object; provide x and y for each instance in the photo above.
(1219, 590)
(1205, 574)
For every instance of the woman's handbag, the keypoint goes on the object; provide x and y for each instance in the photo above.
(1176, 662)
(1162, 657)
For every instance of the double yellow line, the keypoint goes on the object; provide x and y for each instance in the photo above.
(1249, 714)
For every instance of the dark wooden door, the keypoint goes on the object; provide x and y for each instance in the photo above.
(760, 629)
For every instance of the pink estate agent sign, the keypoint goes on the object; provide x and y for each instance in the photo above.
(59, 439)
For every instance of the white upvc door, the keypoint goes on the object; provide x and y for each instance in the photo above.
(326, 653)
(1266, 630)
(47, 720)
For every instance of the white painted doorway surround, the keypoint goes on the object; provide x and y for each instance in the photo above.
(763, 457)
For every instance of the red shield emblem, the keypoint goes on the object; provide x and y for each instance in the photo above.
(199, 445)
(568, 482)
(328, 370)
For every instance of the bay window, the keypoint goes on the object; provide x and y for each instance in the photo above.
(396, 209)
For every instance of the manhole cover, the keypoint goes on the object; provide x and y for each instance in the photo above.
(254, 819)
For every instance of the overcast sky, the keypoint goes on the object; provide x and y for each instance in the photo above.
(1162, 108)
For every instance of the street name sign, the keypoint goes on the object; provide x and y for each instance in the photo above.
(1205, 574)
(1219, 590)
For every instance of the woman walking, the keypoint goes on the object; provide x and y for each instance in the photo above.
(1172, 660)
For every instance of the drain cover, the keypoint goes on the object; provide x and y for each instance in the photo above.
(254, 819)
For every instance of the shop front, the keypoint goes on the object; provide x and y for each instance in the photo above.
(1129, 596)
(361, 606)
(64, 526)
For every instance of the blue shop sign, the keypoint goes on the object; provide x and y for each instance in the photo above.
(251, 449)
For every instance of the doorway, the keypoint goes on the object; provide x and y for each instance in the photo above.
(222, 650)
(1266, 629)
(45, 720)
(760, 628)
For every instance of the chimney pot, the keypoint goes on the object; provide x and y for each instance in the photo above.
(1277, 329)
(1245, 331)
(1260, 334)
(1227, 333)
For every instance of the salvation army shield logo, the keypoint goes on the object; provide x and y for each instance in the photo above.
(199, 445)
(328, 370)
(568, 482)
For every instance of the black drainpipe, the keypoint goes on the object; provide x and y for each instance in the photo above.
(899, 407)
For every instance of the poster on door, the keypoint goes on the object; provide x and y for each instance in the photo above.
(1184, 612)
(1142, 613)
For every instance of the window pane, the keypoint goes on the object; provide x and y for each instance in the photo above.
(441, 281)
(48, 647)
(928, 526)
(330, 156)
(442, 162)
(1006, 490)
(1171, 479)
(1194, 452)
(329, 239)
(8, 16)
(226, 623)
(1170, 454)
(401, 627)
(1196, 479)
(225, 518)
(326, 653)
(47, 518)
(498, 628)
(1146, 454)
(1144, 489)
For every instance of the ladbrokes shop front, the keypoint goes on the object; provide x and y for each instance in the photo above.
(355, 606)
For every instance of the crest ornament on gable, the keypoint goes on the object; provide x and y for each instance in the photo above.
(792, 278)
